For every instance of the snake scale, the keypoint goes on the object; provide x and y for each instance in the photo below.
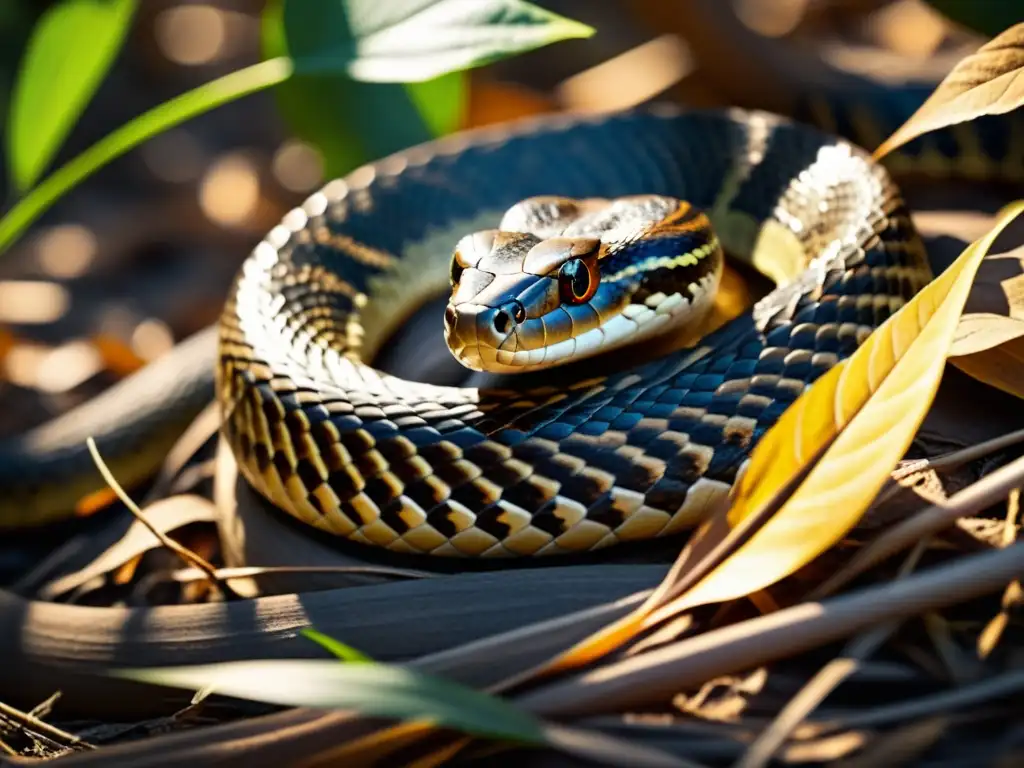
(562, 465)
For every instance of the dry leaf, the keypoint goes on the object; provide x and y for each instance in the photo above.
(1001, 367)
(822, 463)
(981, 331)
(166, 515)
(869, 407)
(988, 82)
(989, 342)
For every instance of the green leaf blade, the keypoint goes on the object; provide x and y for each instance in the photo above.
(408, 41)
(989, 18)
(351, 122)
(376, 77)
(162, 117)
(71, 49)
(372, 689)
(336, 647)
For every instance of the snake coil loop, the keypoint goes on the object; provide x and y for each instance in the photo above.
(579, 243)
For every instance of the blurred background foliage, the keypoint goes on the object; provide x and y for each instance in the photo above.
(141, 254)
(347, 121)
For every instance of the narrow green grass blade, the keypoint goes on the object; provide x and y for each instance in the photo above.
(338, 648)
(379, 690)
(160, 118)
(69, 53)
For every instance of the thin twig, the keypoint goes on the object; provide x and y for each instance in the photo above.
(658, 674)
(950, 655)
(975, 693)
(43, 708)
(989, 637)
(186, 575)
(183, 552)
(899, 746)
(52, 732)
(611, 750)
(946, 461)
(973, 452)
(927, 522)
(823, 683)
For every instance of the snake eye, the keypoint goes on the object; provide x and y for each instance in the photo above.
(577, 281)
(455, 271)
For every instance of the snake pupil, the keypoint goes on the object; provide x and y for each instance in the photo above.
(575, 282)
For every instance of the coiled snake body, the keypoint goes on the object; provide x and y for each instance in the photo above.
(633, 454)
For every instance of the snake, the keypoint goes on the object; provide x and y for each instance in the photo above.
(560, 241)
(581, 260)
(561, 260)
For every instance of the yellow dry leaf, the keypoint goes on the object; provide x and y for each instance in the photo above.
(846, 432)
(988, 82)
(869, 407)
(1001, 367)
(981, 331)
(989, 342)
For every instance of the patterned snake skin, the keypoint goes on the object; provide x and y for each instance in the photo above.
(639, 453)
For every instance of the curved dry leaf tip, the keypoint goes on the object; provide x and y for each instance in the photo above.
(989, 342)
(988, 82)
(599, 644)
(870, 425)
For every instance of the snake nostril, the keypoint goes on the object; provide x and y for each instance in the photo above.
(509, 315)
(502, 321)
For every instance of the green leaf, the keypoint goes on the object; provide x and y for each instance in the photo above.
(989, 17)
(338, 648)
(69, 53)
(406, 41)
(350, 122)
(131, 134)
(440, 102)
(372, 689)
(375, 77)
(385, 20)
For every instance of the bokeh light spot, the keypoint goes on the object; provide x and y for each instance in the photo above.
(66, 250)
(298, 166)
(152, 338)
(230, 190)
(191, 34)
(68, 366)
(32, 301)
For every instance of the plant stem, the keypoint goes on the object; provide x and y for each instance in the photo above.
(167, 115)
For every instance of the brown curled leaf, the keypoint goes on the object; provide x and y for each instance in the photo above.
(989, 342)
(988, 82)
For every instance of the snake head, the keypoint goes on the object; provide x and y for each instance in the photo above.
(563, 279)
